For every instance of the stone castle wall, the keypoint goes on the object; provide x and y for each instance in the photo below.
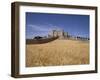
(58, 33)
(65, 35)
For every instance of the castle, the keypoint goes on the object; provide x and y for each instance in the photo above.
(64, 35)
(58, 33)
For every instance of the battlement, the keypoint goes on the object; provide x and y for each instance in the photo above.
(59, 33)
(65, 35)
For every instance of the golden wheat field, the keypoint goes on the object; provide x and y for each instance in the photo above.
(58, 52)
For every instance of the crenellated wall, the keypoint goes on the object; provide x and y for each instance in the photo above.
(65, 35)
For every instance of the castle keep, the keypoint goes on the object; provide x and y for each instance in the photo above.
(59, 33)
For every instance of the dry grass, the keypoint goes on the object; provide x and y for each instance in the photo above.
(58, 52)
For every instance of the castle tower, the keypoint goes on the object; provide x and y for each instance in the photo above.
(66, 35)
(58, 33)
(55, 33)
(61, 34)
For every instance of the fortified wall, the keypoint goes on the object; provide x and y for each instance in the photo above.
(65, 35)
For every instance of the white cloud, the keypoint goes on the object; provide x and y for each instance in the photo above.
(39, 28)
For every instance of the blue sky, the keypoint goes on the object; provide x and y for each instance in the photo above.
(40, 24)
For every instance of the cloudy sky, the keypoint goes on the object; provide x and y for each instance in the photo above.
(40, 24)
